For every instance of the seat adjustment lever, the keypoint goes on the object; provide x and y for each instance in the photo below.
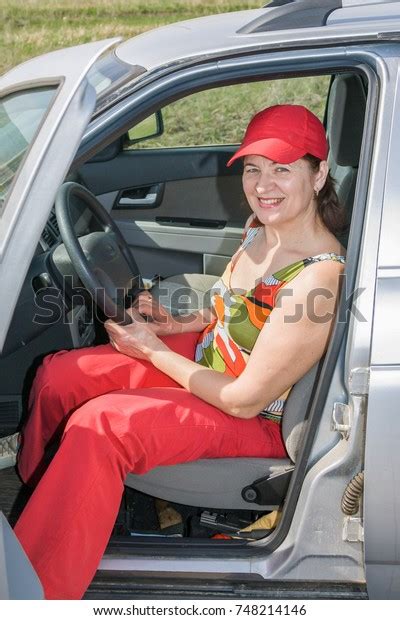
(269, 490)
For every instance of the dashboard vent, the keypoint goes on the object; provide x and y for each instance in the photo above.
(51, 233)
(54, 223)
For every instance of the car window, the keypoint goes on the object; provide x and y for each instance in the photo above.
(218, 116)
(21, 114)
(109, 76)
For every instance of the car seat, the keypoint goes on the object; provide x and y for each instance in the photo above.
(236, 483)
(185, 293)
(345, 124)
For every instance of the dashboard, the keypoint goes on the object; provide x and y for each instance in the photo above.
(45, 302)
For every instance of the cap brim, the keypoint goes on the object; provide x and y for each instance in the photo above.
(273, 148)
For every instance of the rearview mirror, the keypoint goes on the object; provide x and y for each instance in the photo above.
(150, 127)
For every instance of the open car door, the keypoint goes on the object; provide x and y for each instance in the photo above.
(45, 106)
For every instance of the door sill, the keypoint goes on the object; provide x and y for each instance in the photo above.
(125, 585)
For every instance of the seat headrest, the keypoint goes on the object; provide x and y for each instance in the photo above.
(296, 411)
(345, 119)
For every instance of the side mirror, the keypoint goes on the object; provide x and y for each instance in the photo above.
(150, 127)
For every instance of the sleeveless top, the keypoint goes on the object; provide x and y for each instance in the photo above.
(226, 343)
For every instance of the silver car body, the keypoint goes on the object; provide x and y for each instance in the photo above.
(362, 428)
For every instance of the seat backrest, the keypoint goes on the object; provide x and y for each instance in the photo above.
(344, 125)
(296, 411)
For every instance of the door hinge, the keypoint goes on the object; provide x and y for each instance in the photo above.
(359, 381)
(353, 529)
(341, 419)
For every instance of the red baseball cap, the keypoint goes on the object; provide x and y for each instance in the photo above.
(284, 133)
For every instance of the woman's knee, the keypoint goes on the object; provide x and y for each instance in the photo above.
(58, 383)
(100, 428)
(99, 414)
(56, 371)
(120, 415)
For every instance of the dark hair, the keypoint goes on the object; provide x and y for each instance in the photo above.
(329, 208)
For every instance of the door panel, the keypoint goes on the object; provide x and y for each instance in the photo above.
(197, 220)
(169, 250)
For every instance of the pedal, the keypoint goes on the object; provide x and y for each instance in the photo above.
(223, 522)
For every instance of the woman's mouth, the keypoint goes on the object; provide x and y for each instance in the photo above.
(269, 203)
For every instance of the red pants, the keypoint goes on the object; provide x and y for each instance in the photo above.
(127, 416)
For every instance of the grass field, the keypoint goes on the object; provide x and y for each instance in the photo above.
(219, 116)
(32, 27)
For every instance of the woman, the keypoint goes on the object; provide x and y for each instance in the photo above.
(173, 390)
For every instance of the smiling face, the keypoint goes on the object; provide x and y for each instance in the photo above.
(281, 193)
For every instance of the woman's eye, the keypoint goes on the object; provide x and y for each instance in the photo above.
(251, 170)
(281, 169)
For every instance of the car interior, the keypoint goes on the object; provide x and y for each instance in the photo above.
(182, 213)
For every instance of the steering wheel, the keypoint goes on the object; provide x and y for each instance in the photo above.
(101, 259)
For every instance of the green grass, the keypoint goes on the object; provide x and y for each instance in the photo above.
(219, 116)
(32, 27)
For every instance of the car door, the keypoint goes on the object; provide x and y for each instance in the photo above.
(46, 105)
(382, 456)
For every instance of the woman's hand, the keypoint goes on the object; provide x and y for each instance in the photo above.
(163, 323)
(135, 340)
(158, 319)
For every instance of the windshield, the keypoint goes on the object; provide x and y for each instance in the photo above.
(21, 114)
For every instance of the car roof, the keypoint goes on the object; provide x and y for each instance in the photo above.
(283, 22)
(317, 23)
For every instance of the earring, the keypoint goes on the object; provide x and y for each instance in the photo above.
(316, 192)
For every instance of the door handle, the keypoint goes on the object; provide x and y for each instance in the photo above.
(140, 197)
(148, 201)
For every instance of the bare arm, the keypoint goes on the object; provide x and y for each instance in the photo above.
(290, 343)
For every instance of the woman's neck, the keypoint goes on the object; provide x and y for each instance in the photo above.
(297, 237)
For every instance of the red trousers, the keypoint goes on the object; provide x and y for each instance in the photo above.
(127, 416)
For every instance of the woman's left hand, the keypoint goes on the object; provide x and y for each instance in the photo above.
(136, 340)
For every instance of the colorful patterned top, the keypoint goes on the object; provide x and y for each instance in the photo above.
(225, 345)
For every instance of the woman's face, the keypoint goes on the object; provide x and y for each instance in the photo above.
(280, 193)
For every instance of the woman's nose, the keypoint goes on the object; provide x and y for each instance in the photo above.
(264, 182)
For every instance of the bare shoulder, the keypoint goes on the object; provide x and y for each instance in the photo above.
(321, 273)
(318, 284)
